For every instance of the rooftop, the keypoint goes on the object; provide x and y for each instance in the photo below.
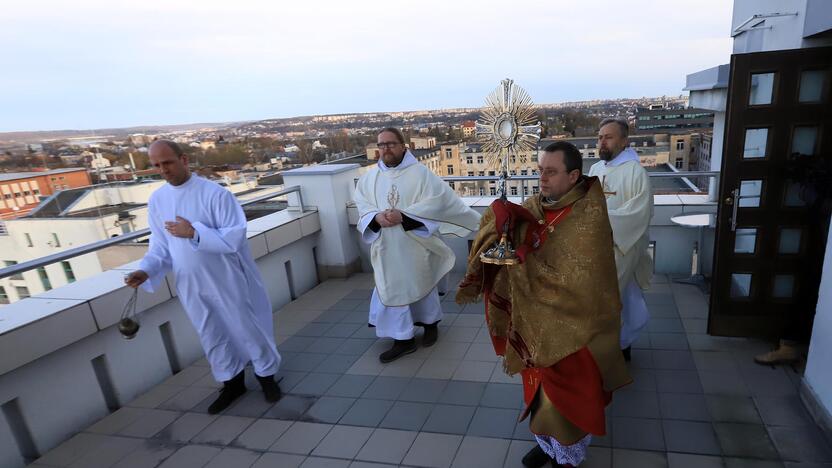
(696, 400)
(7, 176)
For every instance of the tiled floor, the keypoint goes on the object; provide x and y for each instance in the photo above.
(697, 401)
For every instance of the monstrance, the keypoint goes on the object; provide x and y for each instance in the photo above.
(508, 127)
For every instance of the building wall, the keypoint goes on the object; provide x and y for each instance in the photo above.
(818, 375)
(13, 192)
(783, 32)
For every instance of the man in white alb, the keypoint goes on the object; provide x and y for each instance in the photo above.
(630, 207)
(403, 208)
(198, 231)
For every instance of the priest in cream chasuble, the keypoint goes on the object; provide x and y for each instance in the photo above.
(403, 209)
(630, 207)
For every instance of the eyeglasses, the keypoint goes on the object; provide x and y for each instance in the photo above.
(388, 144)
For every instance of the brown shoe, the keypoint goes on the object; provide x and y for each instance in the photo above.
(787, 353)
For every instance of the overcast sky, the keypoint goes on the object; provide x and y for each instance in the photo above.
(115, 63)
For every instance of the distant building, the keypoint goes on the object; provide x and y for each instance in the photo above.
(661, 119)
(20, 192)
(422, 142)
(469, 127)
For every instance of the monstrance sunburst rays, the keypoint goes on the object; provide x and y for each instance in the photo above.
(508, 124)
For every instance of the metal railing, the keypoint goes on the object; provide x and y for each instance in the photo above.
(524, 178)
(120, 239)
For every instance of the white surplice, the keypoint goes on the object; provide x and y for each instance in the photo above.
(407, 265)
(630, 207)
(217, 280)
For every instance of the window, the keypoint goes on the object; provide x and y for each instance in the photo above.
(449, 153)
(469, 159)
(18, 276)
(525, 190)
(450, 169)
(513, 159)
(470, 173)
(22, 292)
(811, 86)
(481, 173)
(680, 145)
(55, 241)
(534, 158)
(479, 159)
(44, 278)
(4, 296)
(28, 239)
(524, 172)
(36, 192)
(514, 190)
(491, 173)
(512, 172)
(756, 140)
(762, 87)
(7, 196)
(70, 276)
(679, 162)
(453, 186)
(482, 191)
(26, 193)
(536, 189)
(493, 191)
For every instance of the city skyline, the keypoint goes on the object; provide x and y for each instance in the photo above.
(97, 65)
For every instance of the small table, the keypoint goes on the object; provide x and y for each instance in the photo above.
(699, 221)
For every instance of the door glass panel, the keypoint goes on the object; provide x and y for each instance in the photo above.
(755, 143)
(783, 286)
(803, 140)
(745, 241)
(789, 241)
(740, 284)
(811, 85)
(791, 197)
(750, 191)
(762, 87)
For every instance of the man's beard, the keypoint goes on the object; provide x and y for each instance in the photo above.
(605, 155)
(394, 160)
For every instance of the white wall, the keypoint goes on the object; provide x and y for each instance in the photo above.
(785, 32)
(818, 373)
(55, 386)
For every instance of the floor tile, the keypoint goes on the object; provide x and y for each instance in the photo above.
(261, 434)
(729, 408)
(350, 385)
(481, 452)
(685, 406)
(223, 430)
(386, 388)
(690, 437)
(463, 393)
(328, 409)
(498, 395)
(233, 458)
(343, 442)
(493, 422)
(186, 427)
(423, 390)
(622, 458)
(301, 438)
(150, 423)
(191, 456)
(474, 371)
(438, 368)
(783, 411)
(291, 407)
(637, 433)
(449, 419)
(635, 404)
(282, 460)
(407, 416)
(367, 412)
(387, 446)
(801, 444)
(686, 460)
(315, 384)
(433, 450)
(745, 440)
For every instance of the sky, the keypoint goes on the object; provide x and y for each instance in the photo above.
(116, 63)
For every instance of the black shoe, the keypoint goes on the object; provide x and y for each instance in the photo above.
(230, 391)
(271, 389)
(431, 335)
(536, 458)
(399, 349)
(626, 353)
